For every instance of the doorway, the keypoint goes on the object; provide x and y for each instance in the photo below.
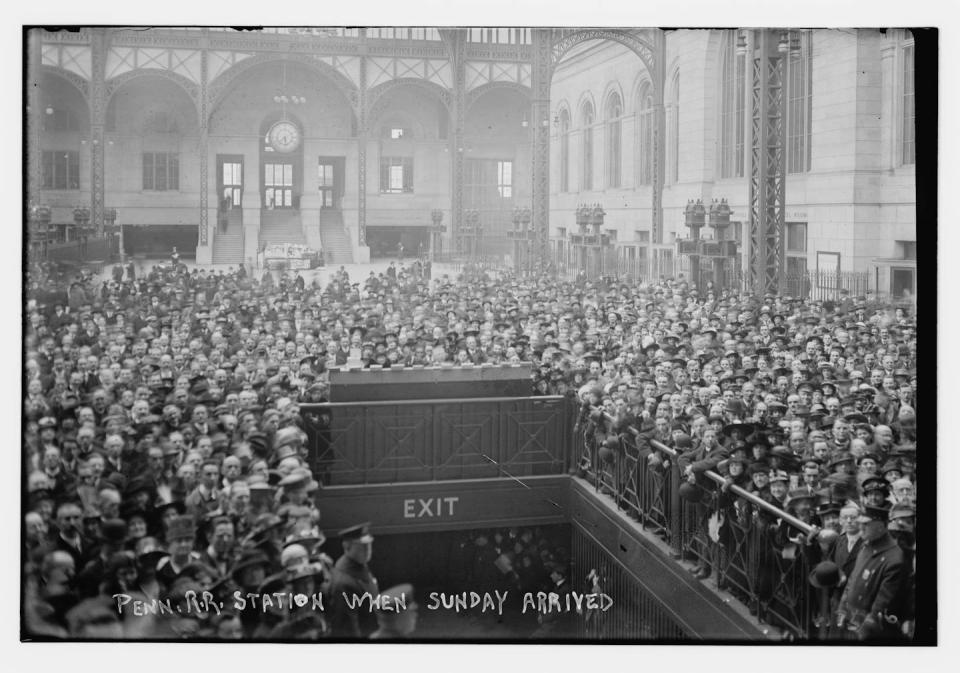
(902, 282)
(278, 185)
(229, 190)
(330, 174)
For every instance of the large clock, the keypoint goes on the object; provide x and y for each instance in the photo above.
(284, 136)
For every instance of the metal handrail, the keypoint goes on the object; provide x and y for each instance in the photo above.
(719, 480)
(763, 504)
(659, 446)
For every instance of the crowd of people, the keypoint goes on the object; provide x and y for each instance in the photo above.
(165, 453)
(771, 409)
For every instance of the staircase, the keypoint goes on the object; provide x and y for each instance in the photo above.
(228, 246)
(280, 226)
(336, 242)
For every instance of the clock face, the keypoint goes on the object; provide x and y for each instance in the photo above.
(284, 136)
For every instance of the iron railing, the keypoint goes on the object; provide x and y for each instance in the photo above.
(427, 440)
(750, 547)
(814, 285)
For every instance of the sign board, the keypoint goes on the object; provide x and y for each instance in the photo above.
(448, 505)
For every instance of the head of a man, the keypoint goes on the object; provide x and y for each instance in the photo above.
(35, 527)
(222, 536)
(69, 517)
(209, 474)
(239, 496)
(873, 523)
(113, 446)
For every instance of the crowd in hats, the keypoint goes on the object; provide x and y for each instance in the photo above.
(809, 407)
(165, 451)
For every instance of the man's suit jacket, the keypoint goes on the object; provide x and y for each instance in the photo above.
(844, 559)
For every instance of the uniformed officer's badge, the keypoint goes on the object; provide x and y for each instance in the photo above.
(866, 575)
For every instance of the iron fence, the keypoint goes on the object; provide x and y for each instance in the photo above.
(814, 285)
(806, 284)
(748, 547)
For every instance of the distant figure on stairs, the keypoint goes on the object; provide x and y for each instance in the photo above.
(223, 219)
(400, 250)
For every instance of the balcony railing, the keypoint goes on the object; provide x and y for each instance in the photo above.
(748, 544)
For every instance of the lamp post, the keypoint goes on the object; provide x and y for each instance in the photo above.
(516, 234)
(81, 217)
(521, 235)
(110, 218)
(526, 216)
(693, 217)
(436, 216)
(599, 239)
(719, 220)
(589, 240)
(472, 232)
(39, 217)
(579, 238)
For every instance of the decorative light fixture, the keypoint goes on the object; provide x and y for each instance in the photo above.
(524, 122)
(783, 45)
(794, 42)
(283, 97)
(741, 42)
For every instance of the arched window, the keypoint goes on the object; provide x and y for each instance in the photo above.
(799, 99)
(732, 107)
(614, 110)
(644, 144)
(586, 121)
(564, 150)
(673, 145)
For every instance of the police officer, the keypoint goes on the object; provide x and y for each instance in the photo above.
(871, 602)
(351, 580)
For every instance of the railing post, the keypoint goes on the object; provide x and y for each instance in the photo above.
(676, 510)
